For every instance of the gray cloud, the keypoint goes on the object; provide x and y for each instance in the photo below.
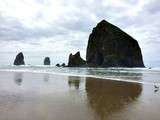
(12, 29)
(153, 7)
(77, 19)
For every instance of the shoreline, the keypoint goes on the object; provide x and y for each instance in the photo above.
(83, 76)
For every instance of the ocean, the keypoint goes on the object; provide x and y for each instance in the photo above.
(138, 75)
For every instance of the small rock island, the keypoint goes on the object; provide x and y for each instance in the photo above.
(109, 46)
(19, 60)
(47, 61)
(76, 60)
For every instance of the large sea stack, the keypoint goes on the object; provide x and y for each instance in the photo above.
(76, 60)
(19, 60)
(109, 46)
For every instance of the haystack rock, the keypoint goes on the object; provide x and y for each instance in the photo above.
(76, 60)
(109, 46)
(47, 61)
(19, 60)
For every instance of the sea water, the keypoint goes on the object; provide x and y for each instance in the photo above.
(138, 75)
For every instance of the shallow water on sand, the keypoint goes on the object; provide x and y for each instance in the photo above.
(140, 75)
(35, 96)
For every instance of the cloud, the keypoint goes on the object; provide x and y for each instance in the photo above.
(45, 24)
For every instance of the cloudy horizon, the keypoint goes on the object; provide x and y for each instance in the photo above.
(54, 28)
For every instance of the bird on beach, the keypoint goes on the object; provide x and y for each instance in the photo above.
(156, 88)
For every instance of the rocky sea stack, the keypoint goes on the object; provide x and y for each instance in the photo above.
(19, 60)
(109, 46)
(62, 65)
(47, 61)
(76, 60)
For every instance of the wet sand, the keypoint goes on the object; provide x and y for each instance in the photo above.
(33, 96)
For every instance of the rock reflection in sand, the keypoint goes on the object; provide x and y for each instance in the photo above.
(74, 82)
(106, 97)
(18, 78)
(46, 77)
(57, 97)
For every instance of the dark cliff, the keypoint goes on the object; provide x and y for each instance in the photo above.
(109, 46)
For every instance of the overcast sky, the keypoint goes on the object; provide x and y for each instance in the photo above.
(58, 27)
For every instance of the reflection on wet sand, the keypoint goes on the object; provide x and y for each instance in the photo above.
(74, 98)
(46, 77)
(106, 97)
(18, 78)
(74, 82)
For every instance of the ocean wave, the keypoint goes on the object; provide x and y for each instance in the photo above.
(72, 72)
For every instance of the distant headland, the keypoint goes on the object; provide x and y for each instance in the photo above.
(108, 46)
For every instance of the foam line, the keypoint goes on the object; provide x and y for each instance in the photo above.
(76, 75)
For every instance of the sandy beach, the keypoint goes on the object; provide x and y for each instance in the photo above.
(35, 96)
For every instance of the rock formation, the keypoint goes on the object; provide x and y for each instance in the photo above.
(58, 65)
(63, 65)
(19, 60)
(76, 60)
(47, 61)
(109, 46)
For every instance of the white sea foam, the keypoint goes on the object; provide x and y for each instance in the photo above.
(134, 75)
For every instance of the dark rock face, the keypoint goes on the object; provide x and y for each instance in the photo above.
(109, 46)
(19, 60)
(63, 65)
(47, 61)
(58, 65)
(76, 60)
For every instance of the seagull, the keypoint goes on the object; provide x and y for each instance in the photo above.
(156, 90)
(155, 86)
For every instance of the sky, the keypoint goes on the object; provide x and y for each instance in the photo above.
(56, 28)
